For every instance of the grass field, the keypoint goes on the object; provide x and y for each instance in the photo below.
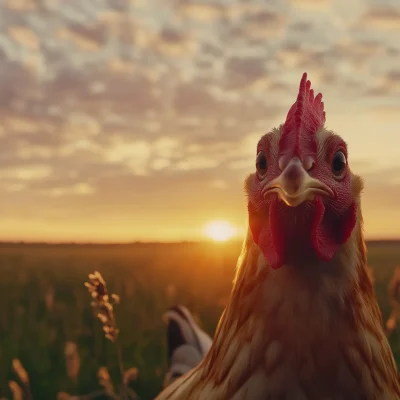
(43, 304)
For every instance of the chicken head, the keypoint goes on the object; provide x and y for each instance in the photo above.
(303, 196)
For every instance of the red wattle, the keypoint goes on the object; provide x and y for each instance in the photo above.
(268, 234)
(329, 231)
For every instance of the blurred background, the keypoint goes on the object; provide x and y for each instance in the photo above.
(137, 121)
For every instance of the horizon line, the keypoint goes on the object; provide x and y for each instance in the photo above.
(133, 242)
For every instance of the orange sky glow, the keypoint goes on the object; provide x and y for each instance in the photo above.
(138, 120)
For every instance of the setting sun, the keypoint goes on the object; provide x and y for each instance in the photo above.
(219, 231)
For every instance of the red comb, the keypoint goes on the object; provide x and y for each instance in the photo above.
(304, 117)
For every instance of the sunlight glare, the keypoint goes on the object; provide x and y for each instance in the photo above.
(220, 231)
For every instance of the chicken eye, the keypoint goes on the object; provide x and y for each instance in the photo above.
(339, 163)
(261, 163)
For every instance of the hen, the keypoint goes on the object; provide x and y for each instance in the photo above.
(302, 322)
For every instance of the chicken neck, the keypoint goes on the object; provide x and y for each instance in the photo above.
(311, 329)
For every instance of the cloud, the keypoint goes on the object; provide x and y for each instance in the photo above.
(24, 37)
(191, 99)
(200, 11)
(389, 83)
(21, 125)
(152, 110)
(18, 86)
(393, 76)
(173, 42)
(312, 4)
(26, 173)
(244, 71)
(85, 39)
(196, 163)
(28, 152)
(21, 5)
(258, 25)
(389, 114)
(382, 17)
(135, 154)
(80, 189)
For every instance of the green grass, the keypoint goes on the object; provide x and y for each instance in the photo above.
(149, 278)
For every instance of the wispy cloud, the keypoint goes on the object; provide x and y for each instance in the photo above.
(147, 113)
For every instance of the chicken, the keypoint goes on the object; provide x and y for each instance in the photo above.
(302, 321)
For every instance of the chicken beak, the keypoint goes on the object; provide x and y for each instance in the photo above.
(295, 186)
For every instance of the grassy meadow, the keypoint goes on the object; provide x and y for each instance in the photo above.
(44, 304)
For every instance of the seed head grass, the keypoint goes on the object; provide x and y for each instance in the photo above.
(103, 305)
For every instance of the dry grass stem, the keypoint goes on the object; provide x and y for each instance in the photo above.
(130, 375)
(103, 304)
(20, 371)
(49, 298)
(16, 390)
(66, 396)
(105, 381)
(371, 275)
(391, 324)
(72, 359)
(23, 376)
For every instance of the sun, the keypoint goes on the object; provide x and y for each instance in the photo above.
(220, 231)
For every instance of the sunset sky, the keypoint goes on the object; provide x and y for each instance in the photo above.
(126, 120)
